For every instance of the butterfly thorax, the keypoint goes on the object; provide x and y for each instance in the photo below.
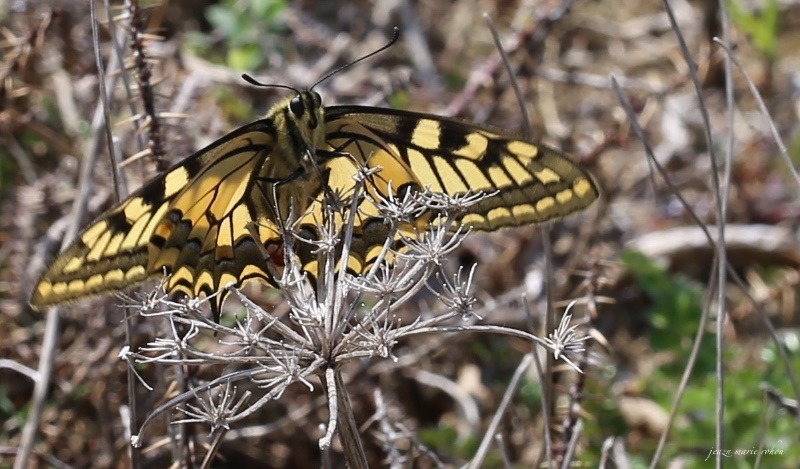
(299, 122)
(290, 174)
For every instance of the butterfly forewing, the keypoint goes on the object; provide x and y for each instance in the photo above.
(531, 183)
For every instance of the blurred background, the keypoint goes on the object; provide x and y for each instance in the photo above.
(637, 261)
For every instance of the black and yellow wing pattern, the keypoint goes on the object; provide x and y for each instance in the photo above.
(532, 183)
(191, 222)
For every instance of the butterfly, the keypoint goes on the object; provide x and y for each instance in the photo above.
(192, 221)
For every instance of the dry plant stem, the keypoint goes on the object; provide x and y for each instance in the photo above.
(120, 44)
(722, 260)
(550, 316)
(605, 452)
(592, 80)
(348, 430)
(19, 368)
(733, 275)
(184, 438)
(526, 119)
(332, 391)
(469, 408)
(546, 415)
(573, 444)
(187, 396)
(687, 373)
(722, 206)
(531, 38)
(501, 446)
(492, 304)
(704, 317)
(547, 248)
(49, 343)
(216, 440)
(722, 201)
(101, 127)
(776, 136)
(21, 158)
(488, 437)
(104, 101)
(730, 105)
(48, 458)
(52, 326)
(340, 286)
(711, 241)
(121, 191)
(154, 141)
(477, 328)
(572, 424)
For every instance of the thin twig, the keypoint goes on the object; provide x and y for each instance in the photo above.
(721, 253)
(419, 52)
(547, 429)
(704, 317)
(21, 157)
(544, 230)
(731, 272)
(52, 326)
(505, 402)
(469, 408)
(121, 190)
(776, 136)
(572, 444)
(498, 44)
(105, 103)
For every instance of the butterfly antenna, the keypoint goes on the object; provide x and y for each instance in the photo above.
(255, 82)
(395, 36)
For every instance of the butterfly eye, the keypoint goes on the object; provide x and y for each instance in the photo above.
(297, 107)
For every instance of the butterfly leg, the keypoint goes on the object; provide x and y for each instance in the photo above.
(331, 154)
(281, 181)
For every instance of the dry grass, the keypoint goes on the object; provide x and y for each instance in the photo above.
(435, 403)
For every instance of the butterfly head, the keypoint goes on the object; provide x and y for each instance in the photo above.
(305, 112)
(304, 117)
(306, 103)
(299, 118)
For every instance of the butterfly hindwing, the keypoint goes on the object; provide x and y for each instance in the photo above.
(531, 183)
(527, 182)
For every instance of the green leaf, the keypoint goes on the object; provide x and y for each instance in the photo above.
(763, 26)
